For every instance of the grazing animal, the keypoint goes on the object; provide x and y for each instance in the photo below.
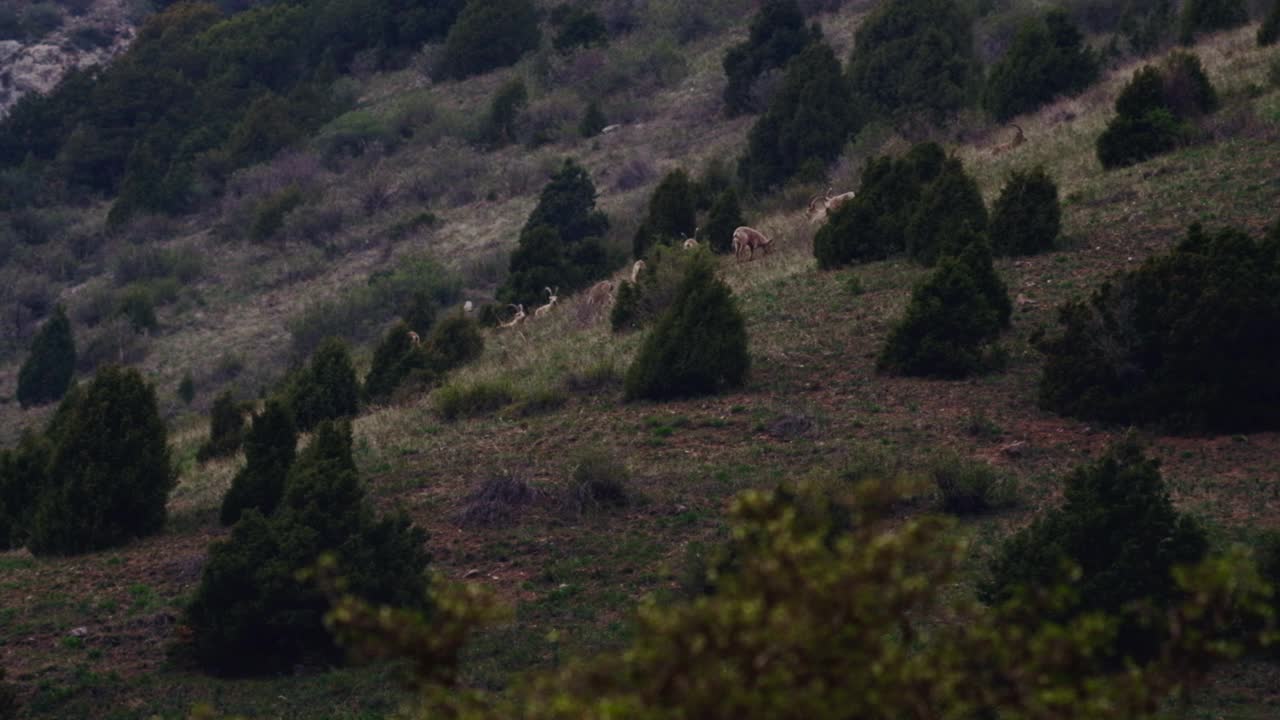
(1017, 140)
(468, 307)
(635, 270)
(601, 293)
(821, 206)
(689, 244)
(746, 239)
(414, 339)
(515, 320)
(551, 302)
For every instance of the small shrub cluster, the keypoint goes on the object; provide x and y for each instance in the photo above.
(226, 428)
(397, 362)
(46, 373)
(599, 483)
(673, 214)
(777, 34)
(638, 304)
(1201, 16)
(251, 614)
(455, 401)
(269, 214)
(499, 126)
(954, 318)
(497, 501)
(969, 487)
(269, 449)
(1026, 218)
(326, 389)
(1048, 58)
(1185, 343)
(487, 35)
(577, 27)
(699, 345)
(1118, 527)
(23, 471)
(1155, 112)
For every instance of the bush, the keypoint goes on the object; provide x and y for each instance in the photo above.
(1268, 557)
(954, 317)
(269, 448)
(1026, 218)
(1210, 16)
(251, 615)
(560, 244)
(724, 217)
(394, 360)
(326, 389)
(1118, 527)
(40, 19)
(1155, 111)
(187, 389)
(110, 475)
(497, 501)
(46, 373)
(699, 345)
(453, 342)
(968, 487)
(1185, 343)
(499, 126)
(137, 305)
(806, 125)
(777, 34)
(1269, 32)
(599, 483)
(673, 214)
(873, 225)
(455, 401)
(913, 58)
(269, 214)
(24, 472)
(1048, 58)
(8, 699)
(489, 34)
(577, 27)
(593, 120)
(226, 429)
(640, 303)
(950, 209)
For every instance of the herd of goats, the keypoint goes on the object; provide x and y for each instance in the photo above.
(746, 240)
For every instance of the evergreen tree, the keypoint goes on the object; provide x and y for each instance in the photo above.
(953, 319)
(806, 125)
(269, 448)
(950, 209)
(673, 213)
(699, 345)
(454, 342)
(1026, 218)
(578, 27)
(777, 34)
(24, 472)
(1210, 16)
(593, 120)
(913, 57)
(504, 110)
(489, 34)
(46, 373)
(560, 244)
(110, 474)
(1119, 528)
(393, 360)
(251, 615)
(1269, 32)
(724, 217)
(1155, 111)
(226, 428)
(327, 388)
(1048, 58)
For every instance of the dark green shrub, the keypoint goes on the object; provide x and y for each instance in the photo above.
(1155, 111)
(269, 448)
(418, 312)
(47, 371)
(393, 360)
(954, 318)
(560, 244)
(1026, 218)
(24, 472)
(489, 34)
(699, 345)
(950, 209)
(1269, 32)
(251, 615)
(110, 475)
(455, 401)
(873, 225)
(1185, 343)
(8, 699)
(673, 214)
(599, 482)
(806, 125)
(499, 127)
(268, 216)
(969, 487)
(226, 428)
(593, 120)
(777, 34)
(137, 305)
(40, 19)
(1268, 556)
(1118, 527)
(454, 342)
(326, 389)
(640, 303)
(914, 57)
(724, 217)
(577, 27)
(187, 389)
(1210, 16)
(1048, 58)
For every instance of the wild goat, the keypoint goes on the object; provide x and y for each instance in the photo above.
(600, 294)
(821, 206)
(414, 339)
(689, 244)
(515, 320)
(551, 302)
(635, 270)
(748, 239)
(1017, 140)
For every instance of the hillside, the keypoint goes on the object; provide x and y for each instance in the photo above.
(96, 631)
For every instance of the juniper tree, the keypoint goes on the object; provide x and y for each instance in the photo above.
(724, 217)
(47, 371)
(950, 207)
(777, 34)
(1026, 218)
(673, 213)
(226, 428)
(327, 388)
(269, 448)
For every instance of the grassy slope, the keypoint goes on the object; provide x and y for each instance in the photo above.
(813, 401)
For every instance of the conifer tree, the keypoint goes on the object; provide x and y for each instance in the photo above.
(1026, 218)
(777, 34)
(327, 388)
(1048, 58)
(453, 342)
(47, 371)
(500, 125)
(110, 474)
(724, 217)
(699, 345)
(226, 428)
(1210, 16)
(1269, 31)
(949, 206)
(489, 34)
(394, 358)
(24, 472)
(673, 213)
(593, 120)
(269, 448)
